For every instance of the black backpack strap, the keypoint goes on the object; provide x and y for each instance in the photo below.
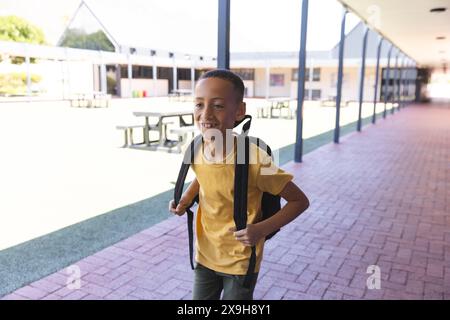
(178, 191)
(241, 183)
(190, 223)
(240, 199)
(246, 126)
(251, 269)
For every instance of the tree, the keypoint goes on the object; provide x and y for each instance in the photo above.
(15, 83)
(78, 38)
(16, 29)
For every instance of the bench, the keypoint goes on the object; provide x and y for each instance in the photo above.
(332, 103)
(261, 112)
(128, 132)
(280, 108)
(268, 112)
(328, 103)
(90, 100)
(183, 133)
(100, 100)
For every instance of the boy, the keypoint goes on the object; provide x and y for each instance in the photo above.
(222, 254)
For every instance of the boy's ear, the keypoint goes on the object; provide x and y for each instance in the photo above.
(241, 111)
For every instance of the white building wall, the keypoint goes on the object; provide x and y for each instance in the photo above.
(59, 79)
(80, 77)
(162, 86)
(184, 84)
(96, 77)
(274, 91)
(260, 82)
(285, 90)
(350, 85)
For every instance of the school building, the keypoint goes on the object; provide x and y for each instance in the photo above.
(125, 70)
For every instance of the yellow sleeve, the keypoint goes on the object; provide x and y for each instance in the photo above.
(270, 178)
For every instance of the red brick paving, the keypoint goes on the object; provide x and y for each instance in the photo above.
(380, 197)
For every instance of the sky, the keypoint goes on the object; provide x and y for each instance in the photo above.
(191, 26)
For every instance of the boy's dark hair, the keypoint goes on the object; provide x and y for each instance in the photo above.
(229, 76)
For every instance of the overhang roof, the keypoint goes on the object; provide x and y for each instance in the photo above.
(410, 25)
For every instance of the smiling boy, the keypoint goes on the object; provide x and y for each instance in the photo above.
(223, 253)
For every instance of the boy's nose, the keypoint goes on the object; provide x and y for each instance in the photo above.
(207, 113)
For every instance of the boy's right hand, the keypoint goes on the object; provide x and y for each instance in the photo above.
(180, 209)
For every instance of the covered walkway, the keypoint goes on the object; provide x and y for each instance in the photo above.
(379, 198)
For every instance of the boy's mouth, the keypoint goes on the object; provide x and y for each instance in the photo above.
(208, 125)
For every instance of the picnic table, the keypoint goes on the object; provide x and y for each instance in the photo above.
(181, 93)
(94, 99)
(163, 142)
(280, 104)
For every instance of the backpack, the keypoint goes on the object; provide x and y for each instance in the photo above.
(270, 204)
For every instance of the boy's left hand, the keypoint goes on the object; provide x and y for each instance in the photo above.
(248, 236)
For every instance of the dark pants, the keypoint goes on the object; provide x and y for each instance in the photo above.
(208, 285)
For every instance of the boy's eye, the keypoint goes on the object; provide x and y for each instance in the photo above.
(198, 105)
(218, 106)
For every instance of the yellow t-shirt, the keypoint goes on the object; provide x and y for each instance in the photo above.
(217, 248)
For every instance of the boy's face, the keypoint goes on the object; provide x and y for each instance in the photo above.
(216, 105)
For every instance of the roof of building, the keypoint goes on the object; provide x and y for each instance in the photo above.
(149, 27)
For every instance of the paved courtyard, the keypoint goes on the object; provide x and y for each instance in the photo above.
(69, 165)
(379, 198)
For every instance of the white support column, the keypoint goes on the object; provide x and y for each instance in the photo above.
(103, 81)
(310, 80)
(192, 78)
(63, 78)
(267, 80)
(155, 78)
(175, 80)
(27, 61)
(130, 76)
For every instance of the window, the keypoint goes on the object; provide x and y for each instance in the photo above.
(123, 71)
(135, 72)
(142, 72)
(316, 74)
(199, 72)
(306, 94)
(165, 73)
(295, 74)
(315, 94)
(183, 74)
(245, 74)
(277, 80)
(110, 69)
(138, 72)
(147, 72)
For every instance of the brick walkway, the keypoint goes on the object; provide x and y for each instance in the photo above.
(381, 197)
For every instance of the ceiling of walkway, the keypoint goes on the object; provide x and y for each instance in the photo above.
(410, 25)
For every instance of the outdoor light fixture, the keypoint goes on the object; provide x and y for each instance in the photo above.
(170, 54)
(438, 9)
(132, 50)
(152, 53)
(201, 58)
